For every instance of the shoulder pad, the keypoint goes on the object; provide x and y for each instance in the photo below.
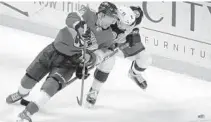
(85, 9)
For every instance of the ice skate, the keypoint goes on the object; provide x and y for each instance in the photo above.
(24, 117)
(14, 97)
(91, 98)
(140, 81)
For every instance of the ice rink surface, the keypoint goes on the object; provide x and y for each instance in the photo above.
(170, 97)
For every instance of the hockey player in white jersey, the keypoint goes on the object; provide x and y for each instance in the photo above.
(126, 28)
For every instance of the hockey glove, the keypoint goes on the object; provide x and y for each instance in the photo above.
(133, 38)
(87, 35)
(80, 26)
(79, 72)
(80, 30)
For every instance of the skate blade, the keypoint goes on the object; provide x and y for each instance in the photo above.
(21, 120)
(18, 119)
(89, 105)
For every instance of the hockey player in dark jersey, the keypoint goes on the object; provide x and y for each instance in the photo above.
(129, 17)
(63, 57)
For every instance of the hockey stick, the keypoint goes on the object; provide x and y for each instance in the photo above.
(80, 102)
(15, 9)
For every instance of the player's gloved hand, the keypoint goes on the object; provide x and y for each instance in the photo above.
(79, 27)
(79, 72)
(133, 38)
(88, 36)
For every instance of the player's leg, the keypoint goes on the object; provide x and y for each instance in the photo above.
(34, 73)
(140, 63)
(141, 60)
(54, 82)
(100, 76)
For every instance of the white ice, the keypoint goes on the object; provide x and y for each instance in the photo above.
(170, 97)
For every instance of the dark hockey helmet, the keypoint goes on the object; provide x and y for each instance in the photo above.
(139, 14)
(108, 8)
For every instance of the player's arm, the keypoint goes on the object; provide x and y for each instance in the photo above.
(77, 20)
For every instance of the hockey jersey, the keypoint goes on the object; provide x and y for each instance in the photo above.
(66, 42)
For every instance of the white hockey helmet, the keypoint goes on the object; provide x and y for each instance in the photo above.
(126, 15)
